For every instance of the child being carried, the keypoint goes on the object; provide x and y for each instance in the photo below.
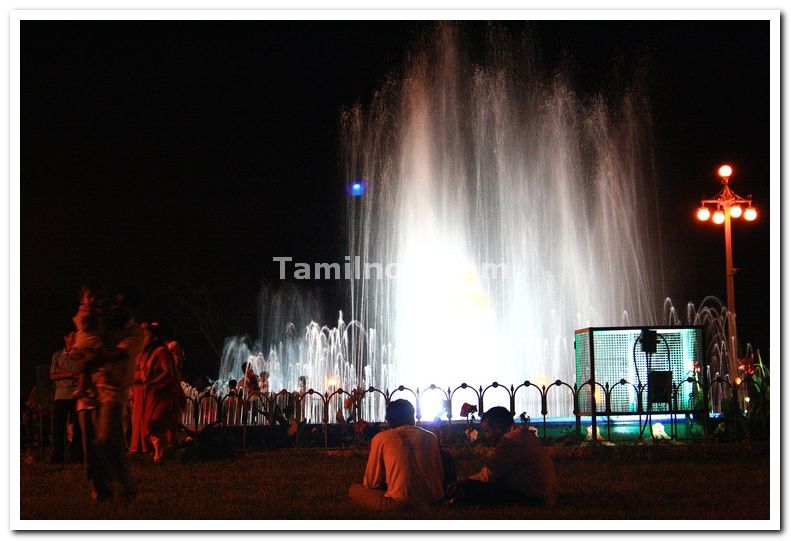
(90, 322)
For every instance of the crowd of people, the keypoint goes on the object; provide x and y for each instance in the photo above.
(118, 385)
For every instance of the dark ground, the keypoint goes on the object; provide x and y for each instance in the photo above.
(639, 482)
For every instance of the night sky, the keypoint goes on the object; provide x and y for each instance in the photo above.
(165, 153)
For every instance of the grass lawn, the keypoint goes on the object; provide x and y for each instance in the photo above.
(711, 481)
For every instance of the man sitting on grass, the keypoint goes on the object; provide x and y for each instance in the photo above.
(521, 470)
(404, 466)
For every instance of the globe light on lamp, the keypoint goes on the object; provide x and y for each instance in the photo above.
(703, 214)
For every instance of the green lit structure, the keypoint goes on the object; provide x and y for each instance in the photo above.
(639, 370)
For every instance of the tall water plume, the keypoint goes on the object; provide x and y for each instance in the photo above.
(515, 209)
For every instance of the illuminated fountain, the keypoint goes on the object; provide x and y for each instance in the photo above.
(711, 314)
(291, 346)
(516, 210)
(509, 210)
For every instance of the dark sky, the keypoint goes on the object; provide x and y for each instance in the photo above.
(162, 153)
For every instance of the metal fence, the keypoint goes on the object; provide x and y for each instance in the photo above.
(271, 408)
(744, 405)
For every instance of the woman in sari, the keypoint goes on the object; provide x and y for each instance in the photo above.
(164, 397)
(139, 443)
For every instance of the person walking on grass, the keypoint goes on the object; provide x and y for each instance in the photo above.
(404, 466)
(101, 421)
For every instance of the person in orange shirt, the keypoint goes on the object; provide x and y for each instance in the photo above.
(404, 466)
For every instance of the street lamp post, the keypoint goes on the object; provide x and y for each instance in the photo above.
(728, 205)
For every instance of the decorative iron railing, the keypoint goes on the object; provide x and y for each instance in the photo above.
(286, 407)
(743, 403)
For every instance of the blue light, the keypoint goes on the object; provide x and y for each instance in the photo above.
(357, 188)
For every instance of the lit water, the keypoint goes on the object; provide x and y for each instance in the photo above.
(713, 315)
(468, 163)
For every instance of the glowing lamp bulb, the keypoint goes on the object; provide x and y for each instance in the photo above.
(703, 214)
(736, 211)
(718, 218)
(750, 214)
(725, 171)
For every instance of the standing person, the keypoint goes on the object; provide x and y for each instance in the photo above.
(164, 396)
(520, 471)
(249, 380)
(139, 442)
(62, 373)
(264, 382)
(404, 466)
(251, 394)
(102, 423)
(177, 352)
(302, 389)
(178, 358)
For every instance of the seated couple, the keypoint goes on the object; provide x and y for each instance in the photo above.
(406, 467)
